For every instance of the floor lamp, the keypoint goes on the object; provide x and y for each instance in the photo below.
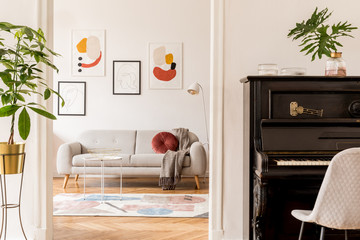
(195, 89)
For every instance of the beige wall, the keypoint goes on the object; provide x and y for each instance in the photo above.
(255, 32)
(130, 26)
(21, 12)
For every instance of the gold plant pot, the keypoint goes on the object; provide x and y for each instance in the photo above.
(13, 157)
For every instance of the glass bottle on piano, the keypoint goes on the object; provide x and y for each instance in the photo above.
(335, 65)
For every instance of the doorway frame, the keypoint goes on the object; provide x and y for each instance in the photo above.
(43, 192)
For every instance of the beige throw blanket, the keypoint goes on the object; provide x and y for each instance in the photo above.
(171, 165)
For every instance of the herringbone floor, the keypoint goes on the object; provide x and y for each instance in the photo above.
(129, 228)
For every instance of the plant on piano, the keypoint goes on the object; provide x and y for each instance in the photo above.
(316, 38)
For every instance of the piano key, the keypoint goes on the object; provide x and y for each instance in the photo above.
(301, 162)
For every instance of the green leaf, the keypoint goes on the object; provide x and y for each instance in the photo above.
(315, 37)
(6, 99)
(6, 78)
(28, 33)
(19, 97)
(8, 110)
(37, 58)
(52, 52)
(24, 124)
(36, 104)
(47, 94)
(43, 113)
(307, 47)
(3, 52)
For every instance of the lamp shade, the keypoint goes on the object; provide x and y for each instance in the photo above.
(194, 88)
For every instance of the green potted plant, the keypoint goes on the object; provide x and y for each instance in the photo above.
(319, 38)
(22, 50)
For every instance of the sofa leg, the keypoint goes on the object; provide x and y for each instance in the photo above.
(197, 182)
(76, 177)
(66, 178)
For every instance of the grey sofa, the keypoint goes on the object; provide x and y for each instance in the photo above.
(138, 157)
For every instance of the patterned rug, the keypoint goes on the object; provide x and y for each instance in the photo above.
(132, 205)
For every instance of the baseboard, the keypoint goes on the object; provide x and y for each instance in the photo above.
(40, 234)
(217, 235)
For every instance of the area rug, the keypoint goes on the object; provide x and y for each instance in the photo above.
(132, 205)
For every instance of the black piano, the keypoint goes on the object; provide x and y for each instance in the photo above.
(297, 124)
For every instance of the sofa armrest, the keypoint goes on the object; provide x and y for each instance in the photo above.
(198, 158)
(64, 156)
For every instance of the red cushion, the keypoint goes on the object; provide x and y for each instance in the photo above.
(164, 141)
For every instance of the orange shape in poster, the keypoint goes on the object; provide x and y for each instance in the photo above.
(169, 58)
(81, 46)
(164, 75)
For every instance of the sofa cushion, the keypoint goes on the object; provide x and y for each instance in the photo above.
(164, 141)
(78, 161)
(123, 140)
(152, 160)
(144, 138)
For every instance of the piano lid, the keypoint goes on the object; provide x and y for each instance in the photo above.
(297, 78)
(310, 135)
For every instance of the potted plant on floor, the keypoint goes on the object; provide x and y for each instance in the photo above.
(22, 50)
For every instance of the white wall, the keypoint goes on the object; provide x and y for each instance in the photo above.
(255, 32)
(21, 12)
(130, 25)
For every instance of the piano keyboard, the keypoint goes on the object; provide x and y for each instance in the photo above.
(302, 162)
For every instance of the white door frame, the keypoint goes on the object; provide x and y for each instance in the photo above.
(216, 230)
(43, 172)
(43, 188)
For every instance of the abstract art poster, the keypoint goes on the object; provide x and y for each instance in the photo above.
(74, 95)
(88, 53)
(126, 77)
(165, 65)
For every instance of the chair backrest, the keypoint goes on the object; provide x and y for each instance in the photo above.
(338, 201)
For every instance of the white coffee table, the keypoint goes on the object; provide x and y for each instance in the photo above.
(102, 158)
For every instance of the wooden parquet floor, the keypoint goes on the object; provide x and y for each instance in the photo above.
(129, 228)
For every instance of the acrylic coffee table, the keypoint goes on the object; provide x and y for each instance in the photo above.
(103, 158)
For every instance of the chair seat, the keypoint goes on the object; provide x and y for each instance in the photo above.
(302, 215)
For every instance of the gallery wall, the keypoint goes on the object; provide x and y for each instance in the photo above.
(130, 25)
(255, 32)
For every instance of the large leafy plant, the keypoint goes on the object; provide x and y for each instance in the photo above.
(22, 50)
(319, 38)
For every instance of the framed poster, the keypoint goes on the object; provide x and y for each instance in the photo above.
(165, 65)
(88, 53)
(126, 77)
(74, 94)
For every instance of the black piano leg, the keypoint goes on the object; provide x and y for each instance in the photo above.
(258, 209)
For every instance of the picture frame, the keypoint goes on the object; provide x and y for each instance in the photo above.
(74, 94)
(88, 53)
(126, 77)
(165, 65)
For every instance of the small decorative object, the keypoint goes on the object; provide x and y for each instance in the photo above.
(74, 94)
(126, 77)
(335, 65)
(268, 69)
(316, 38)
(293, 71)
(88, 53)
(22, 53)
(165, 68)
